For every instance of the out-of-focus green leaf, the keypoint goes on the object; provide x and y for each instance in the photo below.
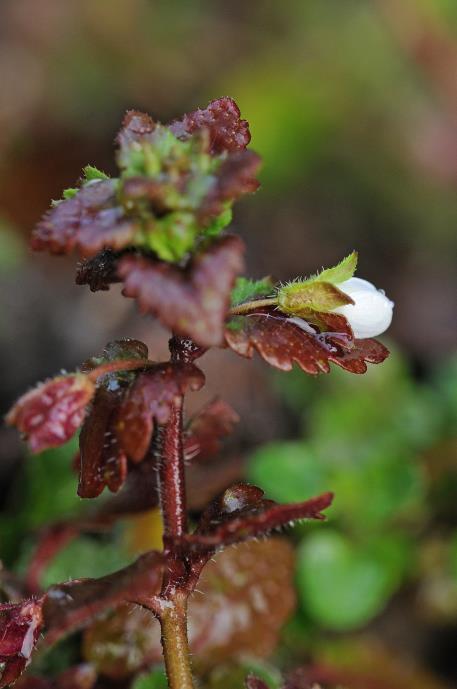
(386, 402)
(156, 679)
(288, 472)
(85, 557)
(343, 586)
(233, 676)
(12, 250)
(44, 492)
(300, 111)
(453, 555)
(48, 488)
(383, 483)
(446, 382)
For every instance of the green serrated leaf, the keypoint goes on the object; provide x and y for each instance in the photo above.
(69, 193)
(173, 236)
(166, 144)
(156, 679)
(246, 289)
(133, 161)
(219, 223)
(343, 271)
(92, 173)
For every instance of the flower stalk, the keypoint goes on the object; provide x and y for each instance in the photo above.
(249, 306)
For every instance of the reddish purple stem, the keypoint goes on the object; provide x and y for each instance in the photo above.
(172, 479)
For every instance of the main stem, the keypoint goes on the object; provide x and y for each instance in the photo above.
(176, 645)
(172, 478)
(173, 616)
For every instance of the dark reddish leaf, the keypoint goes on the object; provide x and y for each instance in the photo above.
(283, 341)
(32, 682)
(50, 542)
(79, 677)
(255, 683)
(191, 301)
(20, 626)
(82, 676)
(98, 272)
(90, 221)
(136, 127)
(154, 191)
(235, 177)
(123, 642)
(227, 131)
(150, 399)
(205, 431)
(244, 596)
(252, 583)
(72, 605)
(50, 414)
(364, 351)
(103, 461)
(242, 512)
(139, 493)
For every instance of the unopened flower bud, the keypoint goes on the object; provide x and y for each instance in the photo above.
(371, 313)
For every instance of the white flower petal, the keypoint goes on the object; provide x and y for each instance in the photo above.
(356, 284)
(371, 314)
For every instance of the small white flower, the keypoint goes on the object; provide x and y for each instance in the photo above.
(371, 313)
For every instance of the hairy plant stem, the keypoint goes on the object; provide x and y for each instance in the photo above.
(175, 644)
(173, 612)
(249, 306)
(172, 478)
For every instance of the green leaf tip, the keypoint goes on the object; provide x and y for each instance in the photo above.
(173, 236)
(69, 193)
(344, 270)
(91, 173)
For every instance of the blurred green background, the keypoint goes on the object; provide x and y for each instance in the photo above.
(353, 106)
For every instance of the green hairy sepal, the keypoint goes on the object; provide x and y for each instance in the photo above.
(320, 292)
